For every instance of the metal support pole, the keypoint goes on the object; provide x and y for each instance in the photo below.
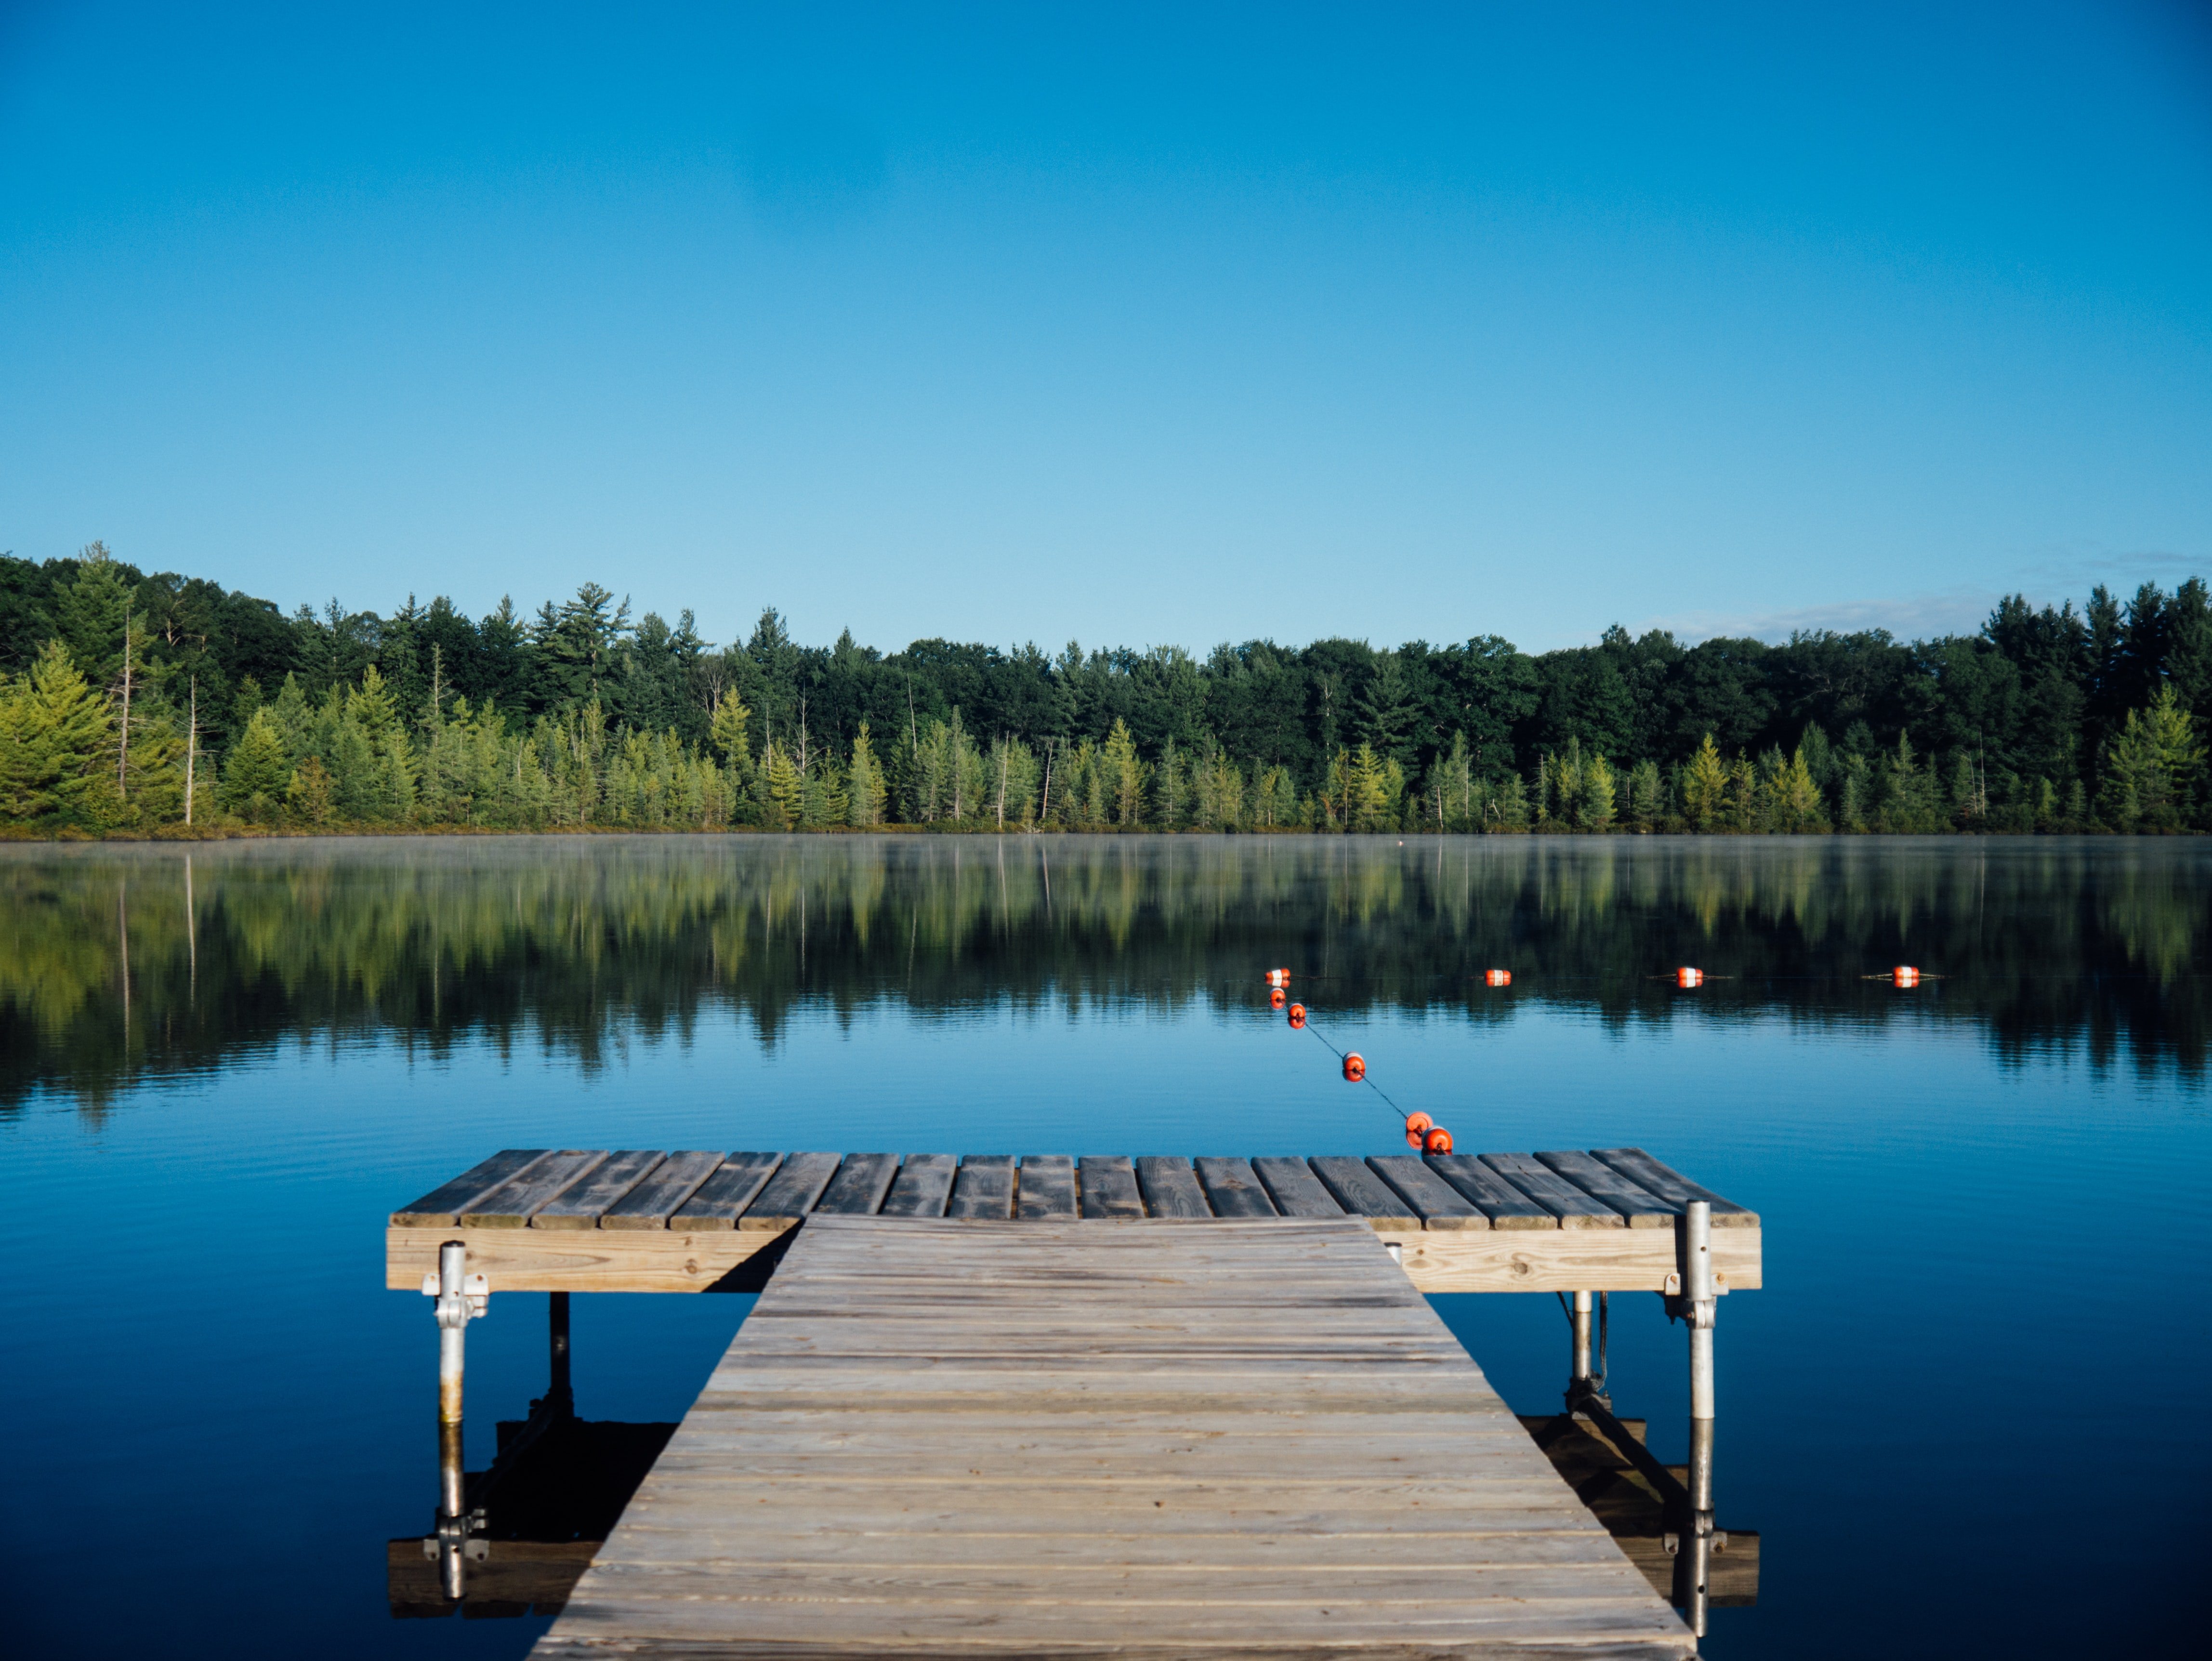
(1584, 1388)
(557, 1320)
(1700, 1294)
(461, 1298)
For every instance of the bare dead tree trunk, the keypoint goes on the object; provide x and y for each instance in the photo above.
(122, 751)
(191, 747)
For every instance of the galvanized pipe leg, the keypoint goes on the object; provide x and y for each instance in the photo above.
(1700, 1290)
(1584, 1386)
(461, 1298)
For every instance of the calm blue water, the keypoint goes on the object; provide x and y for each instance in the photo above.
(1957, 1414)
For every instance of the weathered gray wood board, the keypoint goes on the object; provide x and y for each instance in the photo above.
(923, 1185)
(538, 1218)
(1227, 1437)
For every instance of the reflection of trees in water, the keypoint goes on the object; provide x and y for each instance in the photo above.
(573, 944)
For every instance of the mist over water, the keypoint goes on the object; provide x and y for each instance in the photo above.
(220, 1066)
(194, 958)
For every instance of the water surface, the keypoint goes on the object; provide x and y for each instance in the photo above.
(1985, 1244)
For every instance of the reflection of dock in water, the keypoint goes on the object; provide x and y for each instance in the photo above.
(995, 1408)
(546, 1515)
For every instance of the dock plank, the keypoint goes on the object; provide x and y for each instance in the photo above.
(723, 1197)
(1267, 1484)
(1643, 1208)
(1171, 1188)
(1506, 1205)
(656, 1199)
(1294, 1188)
(1364, 1193)
(1109, 1184)
(1045, 1187)
(792, 1192)
(1573, 1207)
(1440, 1204)
(1672, 1186)
(923, 1184)
(581, 1202)
(984, 1188)
(443, 1205)
(1233, 1187)
(859, 1187)
(514, 1201)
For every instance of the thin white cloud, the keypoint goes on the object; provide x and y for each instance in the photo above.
(2061, 574)
(1915, 617)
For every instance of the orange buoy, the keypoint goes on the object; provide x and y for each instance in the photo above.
(1417, 1139)
(1438, 1140)
(1278, 978)
(1497, 977)
(1355, 1068)
(1419, 1123)
(1905, 977)
(1275, 998)
(1297, 1014)
(1689, 977)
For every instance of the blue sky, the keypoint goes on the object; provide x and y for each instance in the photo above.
(1135, 325)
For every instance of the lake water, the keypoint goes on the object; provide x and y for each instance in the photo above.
(1958, 1415)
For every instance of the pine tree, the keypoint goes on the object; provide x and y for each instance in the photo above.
(1596, 803)
(91, 612)
(781, 786)
(1793, 799)
(254, 775)
(1366, 799)
(311, 793)
(867, 794)
(1704, 786)
(2152, 767)
(55, 735)
(1647, 796)
(1124, 775)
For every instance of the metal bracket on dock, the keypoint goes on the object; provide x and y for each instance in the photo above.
(472, 1298)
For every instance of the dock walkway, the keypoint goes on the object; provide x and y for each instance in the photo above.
(992, 1438)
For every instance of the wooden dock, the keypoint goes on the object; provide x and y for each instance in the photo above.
(998, 1407)
(1245, 1436)
(577, 1219)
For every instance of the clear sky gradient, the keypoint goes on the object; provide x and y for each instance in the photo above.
(1136, 326)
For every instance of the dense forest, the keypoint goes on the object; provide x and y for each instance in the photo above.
(134, 704)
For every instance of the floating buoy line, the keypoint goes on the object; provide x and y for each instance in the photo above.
(1423, 1133)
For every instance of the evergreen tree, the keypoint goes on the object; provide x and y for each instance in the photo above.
(56, 733)
(1595, 802)
(1704, 786)
(867, 792)
(1367, 797)
(254, 776)
(1123, 777)
(2153, 768)
(1385, 710)
(91, 612)
(1793, 799)
(1647, 796)
(781, 790)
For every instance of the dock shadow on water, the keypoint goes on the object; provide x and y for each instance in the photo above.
(2089, 946)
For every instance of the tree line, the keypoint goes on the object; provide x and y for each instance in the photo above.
(133, 703)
